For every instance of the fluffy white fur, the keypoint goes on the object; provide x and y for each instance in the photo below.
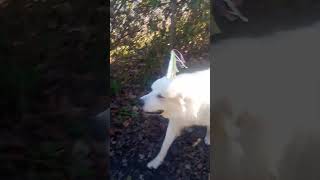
(275, 78)
(185, 101)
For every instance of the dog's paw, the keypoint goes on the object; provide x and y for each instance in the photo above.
(207, 140)
(154, 164)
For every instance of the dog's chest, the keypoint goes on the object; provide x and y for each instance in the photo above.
(202, 119)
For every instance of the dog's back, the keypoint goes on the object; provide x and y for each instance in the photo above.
(196, 85)
(195, 88)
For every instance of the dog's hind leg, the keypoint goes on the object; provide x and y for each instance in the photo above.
(172, 132)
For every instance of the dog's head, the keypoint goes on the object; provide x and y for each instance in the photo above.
(164, 99)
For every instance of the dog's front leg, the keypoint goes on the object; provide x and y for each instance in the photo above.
(207, 138)
(171, 134)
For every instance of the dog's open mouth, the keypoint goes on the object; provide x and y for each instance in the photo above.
(155, 112)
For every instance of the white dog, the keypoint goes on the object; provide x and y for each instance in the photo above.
(185, 101)
(273, 84)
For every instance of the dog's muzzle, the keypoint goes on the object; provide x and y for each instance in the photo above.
(155, 112)
(141, 102)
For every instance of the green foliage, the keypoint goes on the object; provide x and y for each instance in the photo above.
(195, 4)
(125, 113)
(142, 25)
(154, 3)
(115, 87)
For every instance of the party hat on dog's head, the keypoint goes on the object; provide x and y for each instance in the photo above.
(172, 67)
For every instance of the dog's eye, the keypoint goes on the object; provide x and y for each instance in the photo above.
(160, 96)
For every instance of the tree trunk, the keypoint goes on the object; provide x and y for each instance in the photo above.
(173, 23)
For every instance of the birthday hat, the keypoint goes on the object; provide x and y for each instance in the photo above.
(172, 67)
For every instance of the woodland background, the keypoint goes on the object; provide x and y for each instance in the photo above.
(54, 73)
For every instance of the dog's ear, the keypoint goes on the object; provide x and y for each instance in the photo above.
(175, 89)
(171, 93)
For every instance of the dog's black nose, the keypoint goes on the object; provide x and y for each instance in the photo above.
(141, 102)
